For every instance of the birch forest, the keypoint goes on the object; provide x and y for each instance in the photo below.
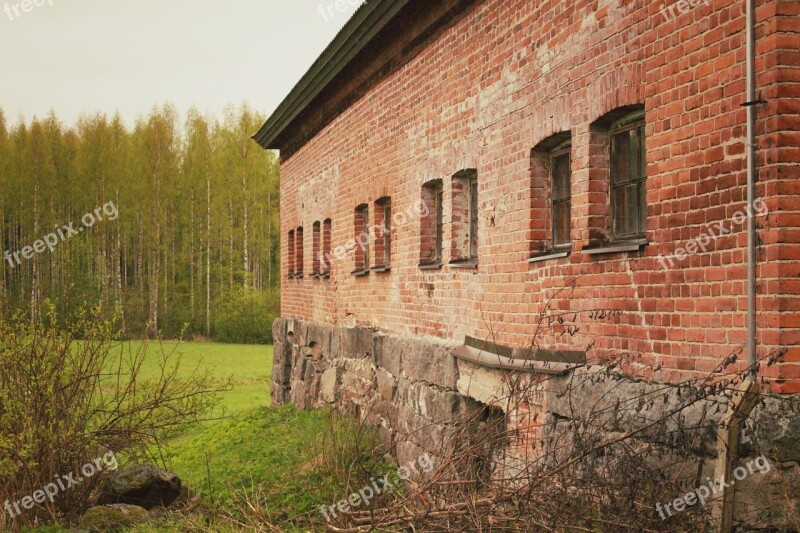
(194, 248)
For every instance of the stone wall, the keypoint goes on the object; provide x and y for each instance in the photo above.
(415, 392)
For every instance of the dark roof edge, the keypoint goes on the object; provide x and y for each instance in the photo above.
(354, 37)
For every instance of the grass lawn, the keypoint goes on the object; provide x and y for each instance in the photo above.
(249, 367)
(249, 446)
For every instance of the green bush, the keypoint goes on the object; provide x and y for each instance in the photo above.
(70, 396)
(245, 317)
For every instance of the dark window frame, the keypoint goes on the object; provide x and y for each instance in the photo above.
(362, 211)
(562, 149)
(316, 247)
(473, 219)
(438, 195)
(299, 249)
(327, 229)
(387, 235)
(434, 190)
(292, 254)
(637, 174)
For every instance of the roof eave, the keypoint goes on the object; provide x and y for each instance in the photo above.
(372, 17)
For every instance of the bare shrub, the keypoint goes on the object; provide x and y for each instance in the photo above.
(69, 396)
(601, 464)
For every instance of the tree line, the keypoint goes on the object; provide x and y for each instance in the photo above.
(194, 246)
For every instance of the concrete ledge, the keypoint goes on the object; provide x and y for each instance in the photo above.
(491, 360)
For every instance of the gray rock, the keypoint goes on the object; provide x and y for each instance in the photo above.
(279, 330)
(766, 500)
(428, 362)
(329, 385)
(387, 384)
(141, 485)
(774, 428)
(112, 518)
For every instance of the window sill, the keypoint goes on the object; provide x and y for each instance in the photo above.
(550, 254)
(326, 275)
(381, 268)
(430, 266)
(633, 245)
(315, 275)
(299, 275)
(464, 263)
(360, 273)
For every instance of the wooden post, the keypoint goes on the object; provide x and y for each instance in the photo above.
(743, 401)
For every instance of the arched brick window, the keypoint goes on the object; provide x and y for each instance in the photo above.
(464, 227)
(431, 235)
(299, 253)
(551, 194)
(291, 254)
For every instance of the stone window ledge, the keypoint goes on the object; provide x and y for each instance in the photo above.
(381, 268)
(550, 254)
(360, 273)
(468, 264)
(484, 353)
(492, 360)
(633, 245)
(430, 266)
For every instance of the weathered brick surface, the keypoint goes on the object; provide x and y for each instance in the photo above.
(482, 94)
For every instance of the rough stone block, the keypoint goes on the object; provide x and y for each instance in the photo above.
(329, 385)
(388, 352)
(774, 428)
(485, 385)
(279, 330)
(387, 384)
(768, 501)
(432, 363)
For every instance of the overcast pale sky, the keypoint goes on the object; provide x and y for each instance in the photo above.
(79, 56)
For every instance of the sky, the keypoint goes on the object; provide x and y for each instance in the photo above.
(83, 56)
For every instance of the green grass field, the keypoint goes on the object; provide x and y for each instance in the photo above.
(271, 454)
(251, 445)
(248, 366)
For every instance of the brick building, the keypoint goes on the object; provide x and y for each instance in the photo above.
(473, 187)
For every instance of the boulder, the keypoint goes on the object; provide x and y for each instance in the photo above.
(111, 518)
(142, 485)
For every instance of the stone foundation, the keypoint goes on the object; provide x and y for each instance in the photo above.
(415, 392)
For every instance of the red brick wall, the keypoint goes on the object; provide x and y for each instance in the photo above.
(508, 75)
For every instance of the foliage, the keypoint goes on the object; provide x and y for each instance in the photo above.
(246, 316)
(197, 217)
(68, 398)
